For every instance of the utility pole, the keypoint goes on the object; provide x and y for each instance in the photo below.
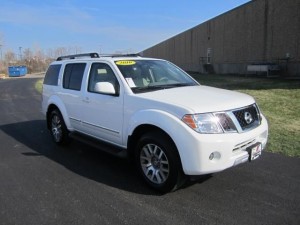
(1, 58)
(20, 50)
(1, 52)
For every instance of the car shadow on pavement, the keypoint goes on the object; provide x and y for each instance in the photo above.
(80, 158)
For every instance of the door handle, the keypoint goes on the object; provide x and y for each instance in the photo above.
(86, 100)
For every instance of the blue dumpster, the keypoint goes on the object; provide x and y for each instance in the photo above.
(17, 71)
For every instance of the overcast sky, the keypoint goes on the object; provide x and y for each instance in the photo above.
(96, 25)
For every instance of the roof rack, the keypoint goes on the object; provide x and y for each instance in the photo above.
(91, 55)
(120, 55)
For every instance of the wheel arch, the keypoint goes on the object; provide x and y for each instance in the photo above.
(51, 107)
(171, 125)
(56, 103)
(143, 129)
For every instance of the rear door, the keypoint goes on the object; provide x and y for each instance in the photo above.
(72, 92)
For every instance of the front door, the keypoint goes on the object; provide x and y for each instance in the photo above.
(102, 112)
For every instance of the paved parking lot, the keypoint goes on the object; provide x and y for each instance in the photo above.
(41, 183)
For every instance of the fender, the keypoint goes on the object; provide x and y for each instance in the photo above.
(55, 100)
(159, 118)
(172, 125)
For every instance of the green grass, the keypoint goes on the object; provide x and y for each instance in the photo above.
(39, 85)
(278, 99)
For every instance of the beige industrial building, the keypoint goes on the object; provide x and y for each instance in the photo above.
(260, 32)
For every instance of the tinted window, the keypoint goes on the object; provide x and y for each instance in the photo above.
(51, 77)
(73, 75)
(101, 72)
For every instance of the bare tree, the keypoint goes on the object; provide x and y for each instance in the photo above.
(28, 59)
(2, 66)
(60, 51)
(10, 57)
(36, 60)
(1, 45)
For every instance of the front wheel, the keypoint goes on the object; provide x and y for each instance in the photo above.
(158, 162)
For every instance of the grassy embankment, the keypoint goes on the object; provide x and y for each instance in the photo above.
(278, 99)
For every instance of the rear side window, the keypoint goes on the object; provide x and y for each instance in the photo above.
(73, 75)
(51, 77)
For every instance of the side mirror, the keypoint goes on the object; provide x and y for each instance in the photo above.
(105, 88)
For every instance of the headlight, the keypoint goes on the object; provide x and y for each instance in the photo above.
(203, 123)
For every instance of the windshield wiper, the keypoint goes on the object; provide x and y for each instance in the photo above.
(159, 87)
(147, 88)
(178, 85)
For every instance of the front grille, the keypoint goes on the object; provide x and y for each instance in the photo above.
(248, 117)
(239, 120)
(226, 122)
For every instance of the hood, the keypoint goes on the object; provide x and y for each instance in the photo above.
(200, 99)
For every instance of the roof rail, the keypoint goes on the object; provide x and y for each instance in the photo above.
(120, 55)
(91, 55)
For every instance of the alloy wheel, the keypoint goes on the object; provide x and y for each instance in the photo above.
(56, 128)
(154, 163)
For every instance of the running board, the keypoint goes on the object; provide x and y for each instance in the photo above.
(98, 144)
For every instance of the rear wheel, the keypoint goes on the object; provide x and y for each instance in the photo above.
(58, 129)
(158, 162)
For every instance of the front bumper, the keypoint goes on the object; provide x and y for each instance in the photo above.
(228, 149)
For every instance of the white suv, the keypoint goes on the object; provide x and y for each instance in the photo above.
(152, 111)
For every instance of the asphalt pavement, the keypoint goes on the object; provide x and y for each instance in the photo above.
(41, 183)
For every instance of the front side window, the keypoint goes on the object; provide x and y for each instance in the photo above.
(101, 76)
(73, 75)
(151, 75)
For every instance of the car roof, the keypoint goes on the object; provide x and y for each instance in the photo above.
(96, 57)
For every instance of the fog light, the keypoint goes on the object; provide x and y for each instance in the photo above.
(215, 156)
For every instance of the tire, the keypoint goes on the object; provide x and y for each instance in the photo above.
(58, 129)
(158, 162)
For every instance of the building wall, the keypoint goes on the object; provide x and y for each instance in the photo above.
(261, 31)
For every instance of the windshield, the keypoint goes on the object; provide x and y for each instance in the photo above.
(151, 75)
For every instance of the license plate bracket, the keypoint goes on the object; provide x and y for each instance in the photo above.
(254, 151)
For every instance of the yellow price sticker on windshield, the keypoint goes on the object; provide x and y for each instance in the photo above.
(125, 63)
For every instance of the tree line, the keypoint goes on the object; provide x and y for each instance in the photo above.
(35, 60)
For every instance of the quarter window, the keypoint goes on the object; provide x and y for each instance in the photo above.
(73, 75)
(51, 77)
